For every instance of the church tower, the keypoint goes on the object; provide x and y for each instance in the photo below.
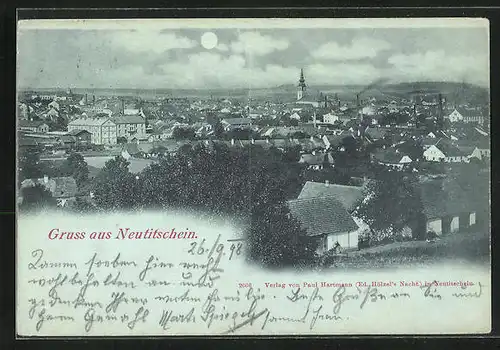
(302, 86)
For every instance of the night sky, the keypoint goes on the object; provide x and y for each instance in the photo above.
(171, 54)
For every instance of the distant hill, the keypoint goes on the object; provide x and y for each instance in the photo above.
(287, 91)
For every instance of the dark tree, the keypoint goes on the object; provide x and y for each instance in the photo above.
(83, 205)
(292, 154)
(37, 197)
(121, 140)
(240, 134)
(299, 135)
(276, 240)
(218, 129)
(60, 124)
(238, 182)
(29, 165)
(115, 187)
(392, 203)
(76, 166)
(183, 133)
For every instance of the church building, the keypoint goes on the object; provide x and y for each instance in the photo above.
(302, 97)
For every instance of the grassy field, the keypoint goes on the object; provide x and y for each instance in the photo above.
(472, 246)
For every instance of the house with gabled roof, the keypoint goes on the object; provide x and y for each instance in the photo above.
(316, 160)
(391, 157)
(33, 125)
(63, 189)
(236, 123)
(443, 151)
(102, 130)
(82, 137)
(447, 205)
(465, 115)
(326, 221)
(349, 196)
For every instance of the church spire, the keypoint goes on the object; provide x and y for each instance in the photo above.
(302, 85)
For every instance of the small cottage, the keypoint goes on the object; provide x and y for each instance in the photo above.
(326, 221)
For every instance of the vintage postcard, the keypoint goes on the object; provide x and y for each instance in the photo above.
(268, 177)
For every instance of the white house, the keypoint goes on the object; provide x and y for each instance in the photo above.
(330, 118)
(442, 152)
(54, 105)
(471, 152)
(455, 116)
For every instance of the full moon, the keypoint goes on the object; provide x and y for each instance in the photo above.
(209, 40)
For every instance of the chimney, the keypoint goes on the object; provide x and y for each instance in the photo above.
(86, 99)
(314, 119)
(326, 101)
(93, 99)
(123, 106)
(45, 179)
(327, 183)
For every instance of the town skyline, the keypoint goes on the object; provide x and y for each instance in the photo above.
(234, 58)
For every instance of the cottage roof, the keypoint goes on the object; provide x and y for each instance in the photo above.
(309, 129)
(313, 159)
(31, 123)
(467, 150)
(347, 195)
(309, 144)
(66, 138)
(429, 141)
(465, 112)
(450, 150)
(376, 133)
(388, 155)
(443, 197)
(60, 187)
(335, 140)
(322, 216)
